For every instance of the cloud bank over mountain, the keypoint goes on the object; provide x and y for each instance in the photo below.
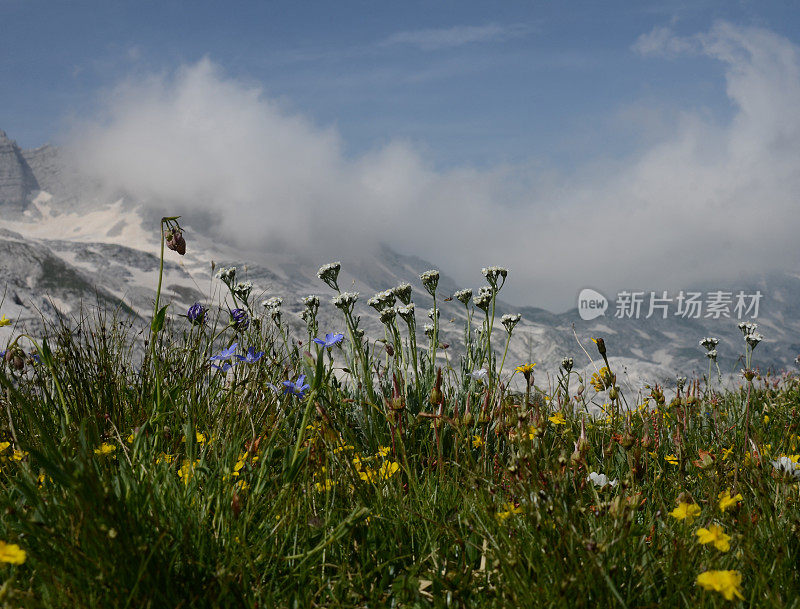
(706, 202)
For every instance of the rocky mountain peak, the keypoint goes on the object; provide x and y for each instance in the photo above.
(17, 182)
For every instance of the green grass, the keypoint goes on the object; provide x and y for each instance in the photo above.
(375, 492)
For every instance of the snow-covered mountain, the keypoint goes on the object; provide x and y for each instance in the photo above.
(66, 249)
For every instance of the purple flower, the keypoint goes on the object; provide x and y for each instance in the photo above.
(251, 357)
(196, 314)
(330, 340)
(298, 388)
(225, 353)
(239, 319)
(224, 367)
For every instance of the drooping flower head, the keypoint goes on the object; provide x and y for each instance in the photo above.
(329, 273)
(175, 240)
(196, 314)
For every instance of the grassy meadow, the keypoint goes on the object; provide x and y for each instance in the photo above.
(227, 463)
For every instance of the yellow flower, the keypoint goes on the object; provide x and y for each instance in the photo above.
(131, 438)
(525, 368)
(726, 452)
(186, 470)
(671, 459)
(5, 321)
(558, 419)
(242, 485)
(716, 535)
(388, 469)
(686, 511)
(367, 474)
(325, 486)
(383, 450)
(239, 465)
(165, 458)
(727, 583)
(11, 552)
(477, 441)
(766, 418)
(534, 432)
(105, 449)
(4, 446)
(510, 510)
(727, 500)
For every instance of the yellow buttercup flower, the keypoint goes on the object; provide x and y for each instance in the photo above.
(325, 486)
(525, 368)
(388, 469)
(714, 534)
(686, 511)
(477, 441)
(4, 446)
(727, 500)
(5, 321)
(671, 459)
(383, 450)
(11, 553)
(727, 583)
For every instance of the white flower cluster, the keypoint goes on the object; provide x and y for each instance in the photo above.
(388, 315)
(428, 330)
(242, 290)
(709, 343)
(272, 303)
(407, 313)
(786, 466)
(567, 363)
(329, 273)
(753, 339)
(382, 300)
(493, 273)
(345, 301)
(484, 298)
(509, 320)
(432, 312)
(464, 296)
(430, 279)
(747, 327)
(227, 276)
(403, 293)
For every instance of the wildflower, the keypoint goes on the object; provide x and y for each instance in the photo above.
(196, 314)
(686, 511)
(311, 302)
(534, 432)
(509, 320)
(714, 534)
(558, 419)
(4, 446)
(175, 241)
(330, 340)
(434, 313)
(19, 455)
(492, 274)
(727, 583)
(227, 276)
(567, 363)
(407, 313)
(224, 367)
(510, 510)
(726, 452)
(483, 299)
(747, 327)
(382, 300)
(4, 321)
(600, 480)
(601, 345)
(12, 553)
(430, 279)
(251, 357)
(325, 486)
(165, 458)
(225, 353)
(671, 459)
(709, 343)
(786, 466)
(403, 293)
(186, 470)
(388, 469)
(345, 301)
(603, 380)
(329, 273)
(239, 319)
(480, 374)
(753, 339)
(298, 388)
(712, 355)
(526, 370)
(242, 290)
(105, 449)
(463, 296)
(383, 450)
(477, 441)
(388, 315)
(428, 329)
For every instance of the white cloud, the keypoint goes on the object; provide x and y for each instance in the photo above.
(703, 202)
(442, 38)
(662, 41)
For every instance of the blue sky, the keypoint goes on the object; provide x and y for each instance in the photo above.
(628, 145)
(467, 82)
